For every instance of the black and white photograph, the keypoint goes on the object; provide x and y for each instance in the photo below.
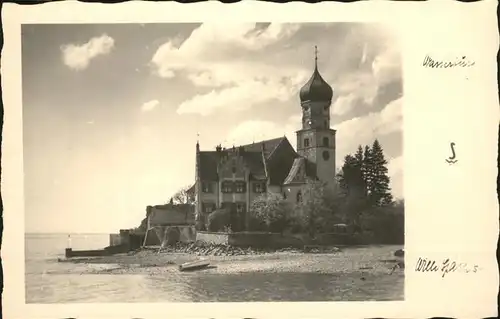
(251, 160)
(212, 162)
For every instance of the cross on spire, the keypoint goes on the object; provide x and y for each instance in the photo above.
(316, 56)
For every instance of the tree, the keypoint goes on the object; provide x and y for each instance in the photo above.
(318, 207)
(271, 210)
(218, 220)
(367, 169)
(183, 196)
(379, 190)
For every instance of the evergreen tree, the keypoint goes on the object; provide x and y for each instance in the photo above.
(379, 191)
(368, 169)
(353, 187)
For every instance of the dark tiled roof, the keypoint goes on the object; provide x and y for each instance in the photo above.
(255, 163)
(316, 89)
(280, 162)
(279, 158)
(269, 146)
(208, 165)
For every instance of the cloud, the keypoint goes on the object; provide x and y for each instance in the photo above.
(396, 174)
(365, 129)
(78, 57)
(149, 106)
(351, 133)
(226, 62)
(235, 98)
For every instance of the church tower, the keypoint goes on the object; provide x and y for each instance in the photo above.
(316, 140)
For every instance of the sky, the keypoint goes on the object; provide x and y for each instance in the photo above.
(112, 112)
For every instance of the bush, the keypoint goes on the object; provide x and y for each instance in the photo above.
(385, 223)
(200, 225)
(270, 212)
(256, 224)
(218, 220)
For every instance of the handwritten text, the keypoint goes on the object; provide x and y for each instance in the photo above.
(461, 62)
(444, 267)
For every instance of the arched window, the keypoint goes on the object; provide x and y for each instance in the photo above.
(299, 197)
(326, 142)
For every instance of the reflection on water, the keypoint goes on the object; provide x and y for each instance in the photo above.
(286, 287)
(48, 281)
(180, 287)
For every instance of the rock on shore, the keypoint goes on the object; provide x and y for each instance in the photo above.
(203, 249)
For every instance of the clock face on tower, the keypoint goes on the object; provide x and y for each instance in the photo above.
(326, 155)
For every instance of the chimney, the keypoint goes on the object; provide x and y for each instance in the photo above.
(197, 147)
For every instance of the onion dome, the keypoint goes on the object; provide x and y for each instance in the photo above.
(316, 89)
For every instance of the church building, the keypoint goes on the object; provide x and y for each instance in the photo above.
(232, 178)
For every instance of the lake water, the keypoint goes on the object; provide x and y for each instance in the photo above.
(48, 281)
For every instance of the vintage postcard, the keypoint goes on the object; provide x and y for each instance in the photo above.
(250, 160)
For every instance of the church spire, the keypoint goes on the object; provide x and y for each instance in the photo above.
(197, 142)
(316, 57)
(316, 89)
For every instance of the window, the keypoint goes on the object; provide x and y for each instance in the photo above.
(326, 123)
(259, 187)
(206, 187)
(306, 142)
(326, 142)
(240, 207)
(326, 155)
(299, 197)
(208, 207)
(240, 187)
(227, 187)
(284, 195)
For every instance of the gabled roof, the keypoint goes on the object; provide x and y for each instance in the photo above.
(278, 154)
(269, 146)
(301, 169)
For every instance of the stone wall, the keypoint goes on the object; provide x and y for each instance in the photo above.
(250, 239)
(213, 238)
(115, 240)
(273, 240)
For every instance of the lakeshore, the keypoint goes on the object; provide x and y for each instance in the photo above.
(351, 273)
(361, 260)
